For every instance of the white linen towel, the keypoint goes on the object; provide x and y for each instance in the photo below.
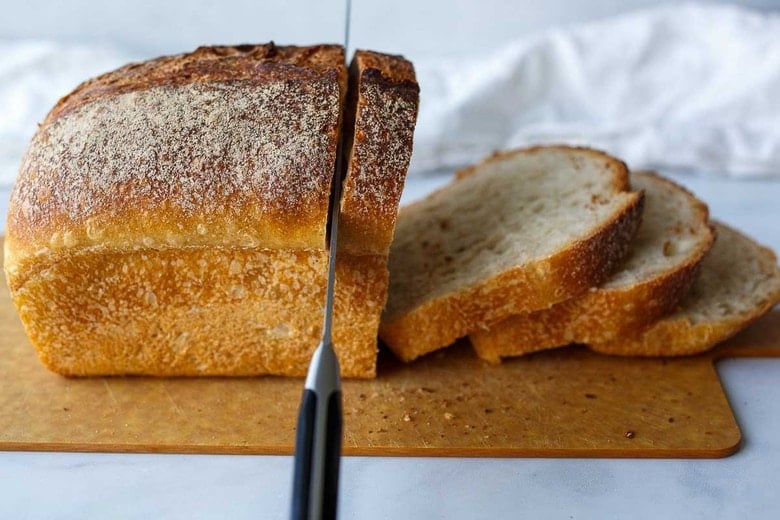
(687, 87)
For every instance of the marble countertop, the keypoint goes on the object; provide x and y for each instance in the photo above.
(130, 486)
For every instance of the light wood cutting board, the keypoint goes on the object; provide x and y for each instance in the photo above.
(563, 403)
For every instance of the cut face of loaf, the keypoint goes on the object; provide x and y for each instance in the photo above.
(169, 217)
(739, 282)
(519, 232)
(659, 269)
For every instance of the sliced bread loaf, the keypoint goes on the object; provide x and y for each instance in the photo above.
(739, 282)
(518, 232)
(169, 217)
(659, 269)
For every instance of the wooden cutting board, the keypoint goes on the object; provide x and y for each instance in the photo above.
(563, 403)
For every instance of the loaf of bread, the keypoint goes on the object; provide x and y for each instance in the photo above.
(739, 283)
(169, 217)
(518, 232)
(658, 271)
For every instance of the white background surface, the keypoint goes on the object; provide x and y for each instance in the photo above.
(64, 485)
(413, 27)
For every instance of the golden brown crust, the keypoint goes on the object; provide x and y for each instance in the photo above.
(616, 166)
(570, 272)
(679, 335)
(383, 101)
(392, 70)
(601, 314)
(201, 311)
(222, 147)
(361, 293)
(597, 316)
(670, 338)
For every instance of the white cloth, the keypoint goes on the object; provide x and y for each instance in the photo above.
(682, 87)
(689, 87)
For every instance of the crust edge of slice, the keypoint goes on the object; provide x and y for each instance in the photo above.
(603, 313)
(679, 336)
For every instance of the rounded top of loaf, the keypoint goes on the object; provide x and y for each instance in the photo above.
(223, 146)
(208, 64)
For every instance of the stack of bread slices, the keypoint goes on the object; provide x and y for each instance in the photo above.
(544, 247)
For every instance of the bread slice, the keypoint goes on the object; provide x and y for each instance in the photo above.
(169, 219)
(517, 232)
(383, 97)
(739, 282)
(661, 266)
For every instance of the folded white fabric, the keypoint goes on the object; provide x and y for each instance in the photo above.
(684, 87)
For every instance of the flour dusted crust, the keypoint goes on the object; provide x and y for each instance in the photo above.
(209, 64)
(169, 219)
(226, 146)
(384, 96)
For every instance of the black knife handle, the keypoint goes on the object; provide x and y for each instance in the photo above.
(306, 438)
(304, 446)
(332, 457)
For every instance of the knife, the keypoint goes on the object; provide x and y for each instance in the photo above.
(318, 435)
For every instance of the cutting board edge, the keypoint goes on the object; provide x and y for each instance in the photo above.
(385, 451)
